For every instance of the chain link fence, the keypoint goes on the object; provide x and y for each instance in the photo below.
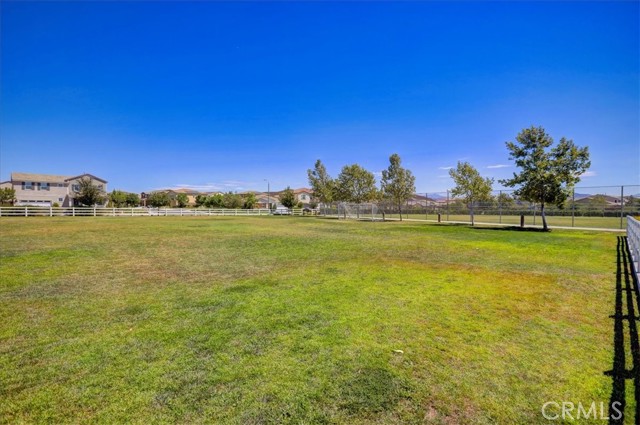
(590, 207)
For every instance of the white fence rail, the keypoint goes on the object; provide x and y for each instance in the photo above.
(633, 239)
(135, 212)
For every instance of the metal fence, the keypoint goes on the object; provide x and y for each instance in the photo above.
(591, 207)
(137, 212)
(633, 240)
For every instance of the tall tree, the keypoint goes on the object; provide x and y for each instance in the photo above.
(398, 183)
(89, 194)
(547, 172)
(470, 186)
(355, 184)
(288, 198)
(321, 183)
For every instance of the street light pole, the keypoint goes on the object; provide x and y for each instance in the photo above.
(268, 195)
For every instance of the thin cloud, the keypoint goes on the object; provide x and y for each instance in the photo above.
(444, 168)
(498, 166)
(588, 174)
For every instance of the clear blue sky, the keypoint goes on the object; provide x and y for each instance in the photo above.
(224, 95)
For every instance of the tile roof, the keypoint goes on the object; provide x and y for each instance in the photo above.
(32, 177)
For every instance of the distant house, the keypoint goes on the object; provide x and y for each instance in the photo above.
(45, 190)
(303, 195)
(173, 196)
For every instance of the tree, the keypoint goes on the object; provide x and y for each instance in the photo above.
(201, 200)
(158, 199)
(547, 172)
(288, 198)
(214, 201)
(7, 195)
(89, 194)
(182, 199)
(231, 200)
(250, 200)
(398, 183)
(470, 186)
(321, 183)
(355, 184)
(133, 199)
(118, 198)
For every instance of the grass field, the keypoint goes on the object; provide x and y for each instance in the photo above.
(529, 220)
(296, 320)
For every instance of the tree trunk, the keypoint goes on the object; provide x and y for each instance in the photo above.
(400, 210)
(472, 216)
(544, 217)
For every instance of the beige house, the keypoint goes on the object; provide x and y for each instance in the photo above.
(45, 190)
(303, 195)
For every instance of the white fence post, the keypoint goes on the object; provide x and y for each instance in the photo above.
(26, 211)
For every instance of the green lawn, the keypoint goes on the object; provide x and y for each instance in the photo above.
(529, 220)
(295, 320)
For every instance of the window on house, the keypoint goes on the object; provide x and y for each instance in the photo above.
(75, 187)
(60, 199)
(27, 185)
(44, 186)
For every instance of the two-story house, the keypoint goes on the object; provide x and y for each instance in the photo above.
(45, 190)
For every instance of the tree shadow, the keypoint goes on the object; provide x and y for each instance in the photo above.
(514, 229)
(626, 301)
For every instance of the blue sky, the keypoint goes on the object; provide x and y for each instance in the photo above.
(225, 95)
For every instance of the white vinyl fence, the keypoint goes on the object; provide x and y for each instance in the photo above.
(633, 239)
(134, 212)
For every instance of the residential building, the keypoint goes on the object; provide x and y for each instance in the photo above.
(45, 190)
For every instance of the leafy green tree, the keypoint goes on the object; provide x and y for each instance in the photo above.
(118, 198)
(89, 194)
(470, 186)
(132, 199)
(182, 199)
(398, 183)
(158, 199)
(321, 183)
(231, 200)
(201, 200)
(250, 201)
(7, 195)
(355, 184)
(214, 201)
(547, 172)
(288, 198)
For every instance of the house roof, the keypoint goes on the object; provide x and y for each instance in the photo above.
(32, 177)
(302, 190)
(91, 176)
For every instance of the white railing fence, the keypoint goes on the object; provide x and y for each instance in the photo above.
(633, 239)
(133, 212)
